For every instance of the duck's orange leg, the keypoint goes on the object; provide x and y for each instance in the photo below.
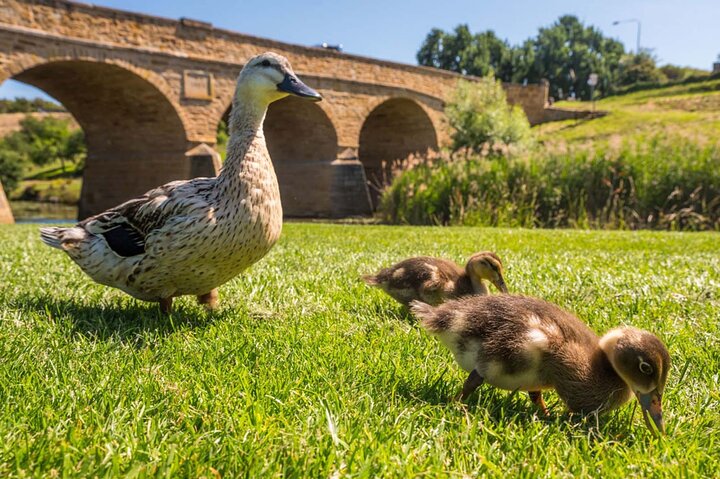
(537, 399)
(209, 300)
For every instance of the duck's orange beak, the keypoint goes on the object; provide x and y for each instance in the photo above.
(651, 404)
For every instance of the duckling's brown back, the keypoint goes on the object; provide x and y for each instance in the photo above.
(423, 278)
(504, 324)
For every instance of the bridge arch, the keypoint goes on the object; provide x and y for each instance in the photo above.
(302, 141)
(394, 129)
(135, 133)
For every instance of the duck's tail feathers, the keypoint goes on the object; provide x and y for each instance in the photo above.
(428, 316)
(56, 237)
(52, 237)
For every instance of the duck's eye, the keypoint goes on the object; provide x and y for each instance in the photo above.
(645, 367)
(265, 63)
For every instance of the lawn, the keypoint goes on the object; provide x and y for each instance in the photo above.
(307, 372)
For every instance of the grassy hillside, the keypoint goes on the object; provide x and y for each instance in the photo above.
(690, 111)
(307, 372)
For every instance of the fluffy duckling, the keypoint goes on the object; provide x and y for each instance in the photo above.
(522, 343)
(434, 280)
(189, 237)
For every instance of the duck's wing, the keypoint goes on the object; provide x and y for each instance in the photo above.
(126, 226)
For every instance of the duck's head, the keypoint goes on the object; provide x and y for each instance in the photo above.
(487, 265)
(643, 362)
(268, 77)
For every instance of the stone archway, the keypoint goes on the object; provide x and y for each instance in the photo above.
(392, 131)
(302, 143)
(135, 138)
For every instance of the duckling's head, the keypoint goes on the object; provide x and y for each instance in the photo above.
(487, 265)
(268, 77)
(643, 362)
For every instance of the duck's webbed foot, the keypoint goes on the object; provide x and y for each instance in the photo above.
(166, 305)
(473, 381)
(537, 399)
(209, 300)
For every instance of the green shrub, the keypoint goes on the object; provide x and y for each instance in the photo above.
(12, 168)
(481, 118)
(639, 68)
(647, 184)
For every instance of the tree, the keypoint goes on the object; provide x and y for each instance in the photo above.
(480, 116)
(565, 54)
(47, 140)
(461, 51)
(12, 168)
(38, 142)
(639, 68)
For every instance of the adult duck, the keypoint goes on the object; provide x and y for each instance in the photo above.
(188, 237)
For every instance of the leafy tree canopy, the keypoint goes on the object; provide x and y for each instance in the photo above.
(565, 54)
(641, 68)
(39, 142)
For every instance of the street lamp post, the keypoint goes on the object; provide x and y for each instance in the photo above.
(631, 20)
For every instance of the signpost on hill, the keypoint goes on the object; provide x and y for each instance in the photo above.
(593, 81)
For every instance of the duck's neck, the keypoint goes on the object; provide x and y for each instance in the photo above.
(599, 388)
(478, 285)
(465, 286)
(246, 149)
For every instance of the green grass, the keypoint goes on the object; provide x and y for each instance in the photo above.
(691, 111)
(307, 372)
(54, 170)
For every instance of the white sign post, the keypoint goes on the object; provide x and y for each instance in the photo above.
(593, 81)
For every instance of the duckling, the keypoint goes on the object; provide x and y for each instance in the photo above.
(435, 280)
(521, 343)
(188, 237)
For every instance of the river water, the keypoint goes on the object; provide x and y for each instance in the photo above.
(37, 212)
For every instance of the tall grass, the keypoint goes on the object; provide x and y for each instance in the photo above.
(645, 183)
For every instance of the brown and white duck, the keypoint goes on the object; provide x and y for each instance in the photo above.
(435, 280)
(522, 343)
(188, 237)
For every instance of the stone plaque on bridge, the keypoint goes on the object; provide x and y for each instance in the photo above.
(197, 85)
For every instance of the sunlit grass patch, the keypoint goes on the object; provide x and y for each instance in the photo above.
(307, 372)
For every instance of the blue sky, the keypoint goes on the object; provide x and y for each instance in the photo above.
(681, 32)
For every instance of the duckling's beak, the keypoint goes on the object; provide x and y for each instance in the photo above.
(292, 84)
(651, 404)
(500, 285)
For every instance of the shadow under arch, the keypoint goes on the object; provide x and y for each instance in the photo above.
(135, 137)
(392, 131)
(302, 142)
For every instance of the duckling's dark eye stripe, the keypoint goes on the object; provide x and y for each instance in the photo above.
(492, 266)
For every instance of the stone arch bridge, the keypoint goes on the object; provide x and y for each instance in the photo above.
(147, 90)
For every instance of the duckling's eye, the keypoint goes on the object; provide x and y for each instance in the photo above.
(645, 368)
(265, 63)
